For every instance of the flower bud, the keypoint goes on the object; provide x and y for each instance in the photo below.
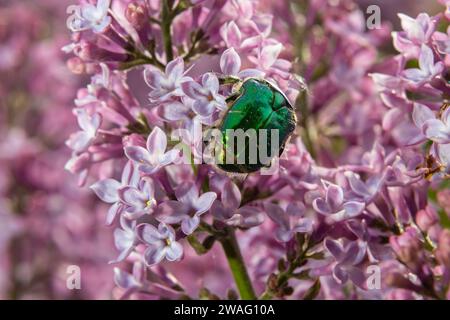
(443, 198)
(407, 246)
(137, 15)
(91, 52)
(76, 65)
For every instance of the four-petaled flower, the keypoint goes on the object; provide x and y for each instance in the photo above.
(289, 221)
(347, 258)
(230, 64)
(139, 200)
(89, 124)
(155, 156)
(166, 84)
(229, 211)
(125, 238)
(188, 209)
(416, 32)
(206, 96)
(108, 190)
(334, 205)
(88, 16)
(161, 244)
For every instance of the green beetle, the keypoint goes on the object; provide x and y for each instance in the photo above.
(257, 105)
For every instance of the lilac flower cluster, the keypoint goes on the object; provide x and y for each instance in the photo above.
(363, 182)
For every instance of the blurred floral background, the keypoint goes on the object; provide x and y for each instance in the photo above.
(47, 222)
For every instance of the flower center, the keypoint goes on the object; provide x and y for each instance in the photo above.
(168, 242)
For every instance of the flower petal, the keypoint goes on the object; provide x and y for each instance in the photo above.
(157, 142)
(334, 196)
(133, 197)
(334, 247)
(421, 113)
(150, 234)
(107, 190)
(154, 254)
(231, 196)
(204, 202)
(171, 212)
(138, 154)
(230, 62)
(174, 252)
(277, 215)
(188, 225)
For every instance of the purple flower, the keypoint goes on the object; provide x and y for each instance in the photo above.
(366, 191)
(229, 211)
(125, 238)
(427, 68)
(347, 258)
(89, 17)
(206, 96)
(138, 200)
(81, 140)
(437, 130)
(108, 190)
(155, 156)
(166, 84)
(188, 209)
(334, 205)
(230, 64)
(161, 244)
(289, 221)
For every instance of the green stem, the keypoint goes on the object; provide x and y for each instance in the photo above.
(166, 22)
(283, 278)
(237, 266)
